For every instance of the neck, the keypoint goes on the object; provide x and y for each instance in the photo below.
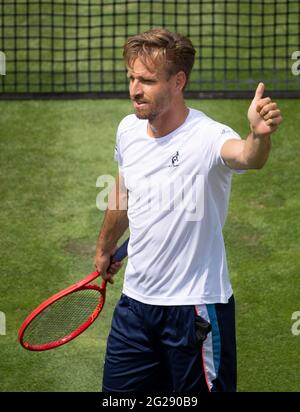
(168, 121)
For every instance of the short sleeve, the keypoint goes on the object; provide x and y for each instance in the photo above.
(222, 133)
(117, 152)
(225, 133)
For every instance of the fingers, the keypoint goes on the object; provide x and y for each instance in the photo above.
(101, 265)
(106, 275)
(114, 267)
(269, 111)
(109, 278)
(263, 114)
(106, 270)
(111, 271)
(261, 103)
(274, 122)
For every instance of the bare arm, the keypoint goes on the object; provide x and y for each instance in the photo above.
(252, 153)
(114, 225)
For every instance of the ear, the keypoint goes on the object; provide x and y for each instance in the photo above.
(180, 81)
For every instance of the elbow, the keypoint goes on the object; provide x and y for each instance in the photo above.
(258, 164)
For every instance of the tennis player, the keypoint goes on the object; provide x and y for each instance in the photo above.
(174, 326)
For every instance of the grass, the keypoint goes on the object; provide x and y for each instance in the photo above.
(51, 154)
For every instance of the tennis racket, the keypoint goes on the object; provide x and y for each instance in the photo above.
(67, 314)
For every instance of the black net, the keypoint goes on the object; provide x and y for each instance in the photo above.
(65, 47)
(62, 317)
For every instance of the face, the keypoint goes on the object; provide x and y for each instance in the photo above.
(151, 92)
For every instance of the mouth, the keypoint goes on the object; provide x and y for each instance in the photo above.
(139, 104)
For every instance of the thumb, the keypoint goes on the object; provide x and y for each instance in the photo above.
(259, 91)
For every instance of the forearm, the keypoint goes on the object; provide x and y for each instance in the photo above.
(256, 150)
(114, 225)
(115, 220)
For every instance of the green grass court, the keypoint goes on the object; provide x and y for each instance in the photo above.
(51, 153)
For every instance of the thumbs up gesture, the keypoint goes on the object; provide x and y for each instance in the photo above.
(263, 114)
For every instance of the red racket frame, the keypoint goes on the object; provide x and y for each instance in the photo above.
(83, 284)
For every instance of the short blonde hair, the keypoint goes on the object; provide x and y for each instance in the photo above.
(166, 50)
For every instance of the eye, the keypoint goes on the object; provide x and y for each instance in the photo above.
(148, 81)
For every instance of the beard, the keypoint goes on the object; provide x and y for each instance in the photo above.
(146, 113)
(151, 110)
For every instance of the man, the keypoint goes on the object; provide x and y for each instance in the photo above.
(174, 327)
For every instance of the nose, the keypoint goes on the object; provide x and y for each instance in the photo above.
(135, 88)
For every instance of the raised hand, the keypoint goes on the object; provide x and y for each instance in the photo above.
(263, 114)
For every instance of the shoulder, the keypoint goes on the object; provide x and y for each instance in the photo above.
(212, 128)
(128, 123)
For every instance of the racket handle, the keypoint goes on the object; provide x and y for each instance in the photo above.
(121, 252)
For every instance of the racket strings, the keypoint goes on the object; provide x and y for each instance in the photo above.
(63, 317)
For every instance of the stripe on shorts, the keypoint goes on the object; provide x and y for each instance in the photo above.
(211, 349)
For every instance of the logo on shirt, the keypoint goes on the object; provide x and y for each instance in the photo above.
(175, 160)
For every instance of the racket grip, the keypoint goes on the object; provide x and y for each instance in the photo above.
(121, 252)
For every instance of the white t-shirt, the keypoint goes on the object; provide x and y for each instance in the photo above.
(178, 192)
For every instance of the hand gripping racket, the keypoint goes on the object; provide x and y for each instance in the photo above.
(67, 314)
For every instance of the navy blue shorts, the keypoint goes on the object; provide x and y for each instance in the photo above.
(158, 348)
